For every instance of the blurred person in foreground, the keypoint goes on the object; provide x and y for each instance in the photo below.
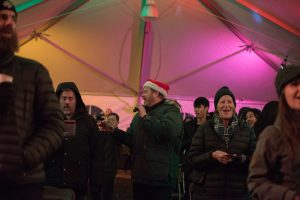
(220, 153)
(31, 121)
(274, 171)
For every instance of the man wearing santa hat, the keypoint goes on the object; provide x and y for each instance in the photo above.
(154, 136)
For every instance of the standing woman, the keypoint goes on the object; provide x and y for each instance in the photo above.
(275, 167)
(220, 153)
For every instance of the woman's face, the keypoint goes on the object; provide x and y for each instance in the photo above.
(225, 107)
(250, 118)
(292, 94)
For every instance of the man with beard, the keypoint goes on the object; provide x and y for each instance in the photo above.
(69, 167)
(154, 137)
(31, 122)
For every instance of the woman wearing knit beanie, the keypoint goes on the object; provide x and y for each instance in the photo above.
(275, 167)
(220, 153)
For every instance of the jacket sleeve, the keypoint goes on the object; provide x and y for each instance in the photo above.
(124, 137)
(48, 127)
(263, 169)
(168, 127)
(198, 157)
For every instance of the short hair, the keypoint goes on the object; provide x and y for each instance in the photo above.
(114, 114)
(201, 101)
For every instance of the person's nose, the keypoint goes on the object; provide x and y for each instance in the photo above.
(67, 102)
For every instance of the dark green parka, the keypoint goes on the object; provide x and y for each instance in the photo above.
(155, 141)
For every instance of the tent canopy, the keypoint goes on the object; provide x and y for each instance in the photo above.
(195, 46)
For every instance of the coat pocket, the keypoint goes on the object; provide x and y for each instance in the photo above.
(198, 177)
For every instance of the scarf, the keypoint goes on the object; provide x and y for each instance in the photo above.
(225, 133)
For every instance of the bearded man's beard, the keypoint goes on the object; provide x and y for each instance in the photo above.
(8, 44)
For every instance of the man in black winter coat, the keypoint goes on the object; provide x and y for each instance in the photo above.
(69, 167)
(31, 121)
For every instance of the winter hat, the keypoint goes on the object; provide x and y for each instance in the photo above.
(201, 101)
(221, 92)
(157, 86)
(285, 76)
(7, 5)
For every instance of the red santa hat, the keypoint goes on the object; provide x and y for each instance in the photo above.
(158, 86)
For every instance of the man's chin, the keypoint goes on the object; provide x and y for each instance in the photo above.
(67, 113)
(9, 42)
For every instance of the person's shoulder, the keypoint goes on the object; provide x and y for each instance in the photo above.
(27, 61)
(190, 123)
(172, 104)
(270, 133)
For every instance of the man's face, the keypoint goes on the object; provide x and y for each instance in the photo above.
(8, 35)
(201, 111)
(68, 103)
(149, 96)
(226, 107)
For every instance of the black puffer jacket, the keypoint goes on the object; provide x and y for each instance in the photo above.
(39, 119)
(70, 166)
(10, 140)
(211, 179)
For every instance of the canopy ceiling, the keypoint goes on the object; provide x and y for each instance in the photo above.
(195, 46)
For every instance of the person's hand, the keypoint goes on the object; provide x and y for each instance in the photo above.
(142, 110)
(6, 78)
(297, 197)
(221, 156)
(106, 126)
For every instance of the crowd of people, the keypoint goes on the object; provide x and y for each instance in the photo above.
(48, 139)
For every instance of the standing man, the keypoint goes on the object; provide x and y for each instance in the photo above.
(154, 137)
(32, 128)
(69, 167)
(105, 163)
(201, 106)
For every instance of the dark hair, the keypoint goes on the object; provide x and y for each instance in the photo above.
(287, 117)
(201, 101)
(242, 112)
(114, 114)
(267, 117)
(255, 111)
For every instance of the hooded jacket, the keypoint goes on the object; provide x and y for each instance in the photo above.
(70, 166)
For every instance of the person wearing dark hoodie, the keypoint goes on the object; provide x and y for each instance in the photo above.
(69, 167)
(31, 121)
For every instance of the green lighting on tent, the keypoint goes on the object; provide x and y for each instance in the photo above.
(27, 5)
